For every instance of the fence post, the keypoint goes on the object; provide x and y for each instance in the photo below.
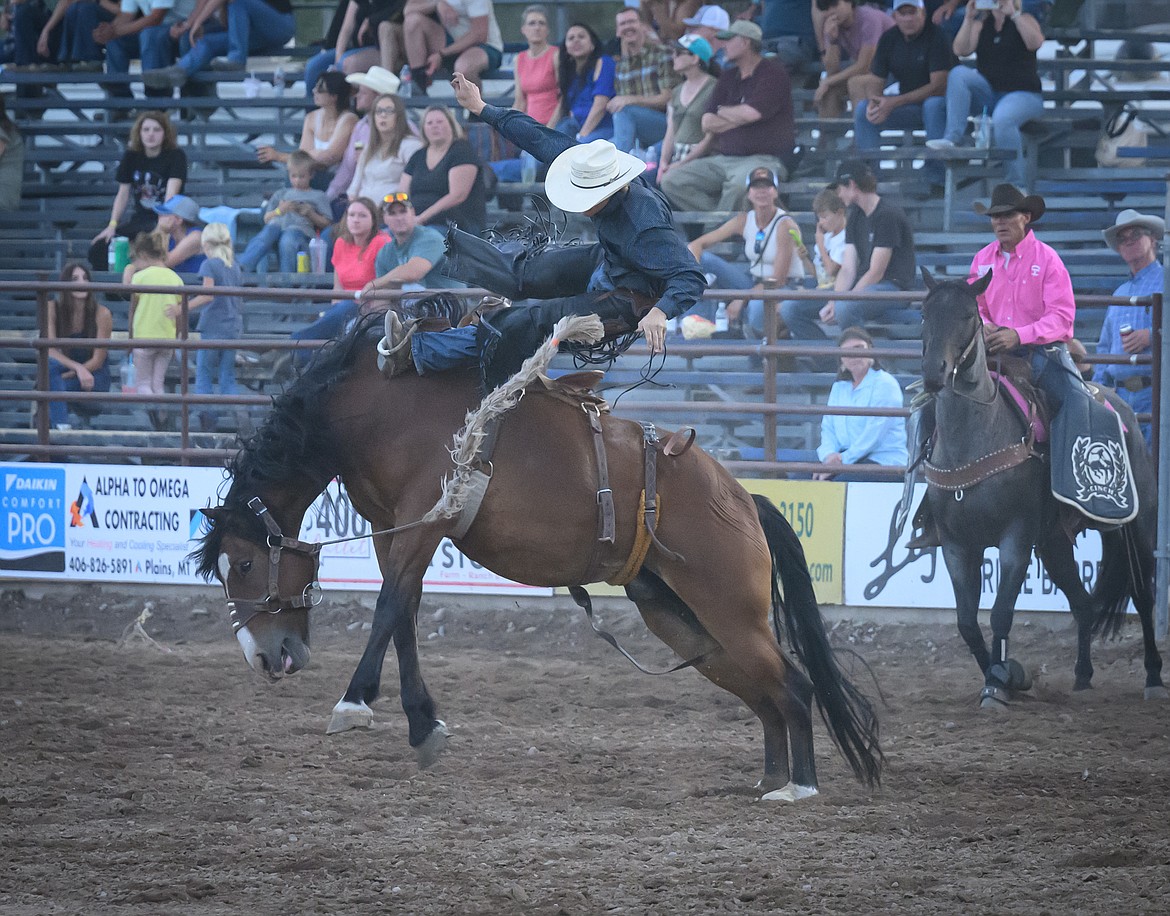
(771, 325)
(41, 408)
(184, 367)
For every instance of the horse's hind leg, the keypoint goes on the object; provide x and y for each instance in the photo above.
(672, 621)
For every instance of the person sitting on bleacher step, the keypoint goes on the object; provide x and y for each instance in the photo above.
(141, 29)
(292, 216)
(460, 35)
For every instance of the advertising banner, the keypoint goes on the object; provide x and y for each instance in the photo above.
(873, 580)
(126, 523)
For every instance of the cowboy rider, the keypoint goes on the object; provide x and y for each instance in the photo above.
(1028, 311)
(646, 275)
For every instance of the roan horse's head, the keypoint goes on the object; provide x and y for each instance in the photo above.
(270, 582)
(952, 331)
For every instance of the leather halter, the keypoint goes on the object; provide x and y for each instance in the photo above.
(242, 610)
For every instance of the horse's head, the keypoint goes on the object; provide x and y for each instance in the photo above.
(952, 331)
(270, 582)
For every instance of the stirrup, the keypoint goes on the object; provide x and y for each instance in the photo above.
(394, 356)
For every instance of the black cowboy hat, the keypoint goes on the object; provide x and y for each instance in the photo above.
(1007, 198)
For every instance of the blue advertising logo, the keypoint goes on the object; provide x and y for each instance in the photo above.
(32, 519)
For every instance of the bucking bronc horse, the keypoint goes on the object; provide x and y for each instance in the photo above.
(988, 486)
(716, 561)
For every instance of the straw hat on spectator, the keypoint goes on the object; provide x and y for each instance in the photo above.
(1154, 225)
(584, 175)
(379, 79)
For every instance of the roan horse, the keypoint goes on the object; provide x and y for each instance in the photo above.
(1013, 508)
(390, 440)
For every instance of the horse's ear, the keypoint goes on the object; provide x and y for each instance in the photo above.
(928, 278)
(216, 514)
(982, 283)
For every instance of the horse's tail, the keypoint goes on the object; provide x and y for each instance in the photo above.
(1127, 571)
(848, 715)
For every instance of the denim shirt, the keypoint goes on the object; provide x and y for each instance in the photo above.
(643, 251)
(1146, 281)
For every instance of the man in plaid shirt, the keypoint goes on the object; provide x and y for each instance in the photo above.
(644, 80)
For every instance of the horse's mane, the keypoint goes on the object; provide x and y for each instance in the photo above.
(294, 440)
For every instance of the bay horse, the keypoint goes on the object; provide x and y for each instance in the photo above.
(1014, 509)
(731, 560)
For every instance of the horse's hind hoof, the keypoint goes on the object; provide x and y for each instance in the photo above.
(994, 698)
(790, 793)
(1157, 693)
(432, 745)
(349, 715)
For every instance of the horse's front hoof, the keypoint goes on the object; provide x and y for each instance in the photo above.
(994, 698)
(1157, 692)
(790, 793)
(433, 745)
(349, 715)
(1018, 677)
(1082, 684)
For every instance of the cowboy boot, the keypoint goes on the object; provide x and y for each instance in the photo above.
(927, 536)
(394, 356)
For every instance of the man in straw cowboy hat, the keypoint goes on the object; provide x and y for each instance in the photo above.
(1028, 311)
(644, 274)
(1127, 329)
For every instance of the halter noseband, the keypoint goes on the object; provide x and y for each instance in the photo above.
(242, 610)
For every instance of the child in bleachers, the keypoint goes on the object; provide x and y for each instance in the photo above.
(151, 317)
(292, 216)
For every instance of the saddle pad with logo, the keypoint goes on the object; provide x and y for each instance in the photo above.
(1090, 462)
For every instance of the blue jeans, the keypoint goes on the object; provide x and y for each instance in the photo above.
(636, 125)
(77, 27)
(256, 28)
(930, 114)
(513, 169)
(197, 57)
(968, 93)
(28, 19)
(152, 46)
(321, 62)
(728, 275)
(572, 127)
(212, 366)
(800, 315)
(328, 326)
(58, 410)
(286, 242)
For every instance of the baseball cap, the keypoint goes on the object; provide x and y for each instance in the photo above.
(761, 175)
(715, 17)
(898, 4)
(694, 44)
(743, 28)
(181, 206)
(853, 170)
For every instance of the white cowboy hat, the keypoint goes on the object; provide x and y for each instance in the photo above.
(1155, 225)
(381, 80)
(584, 175)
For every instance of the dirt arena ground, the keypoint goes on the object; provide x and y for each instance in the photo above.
(164, 777)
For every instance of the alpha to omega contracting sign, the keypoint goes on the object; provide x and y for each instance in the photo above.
(126, 523)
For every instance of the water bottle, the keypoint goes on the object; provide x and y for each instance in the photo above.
(637, 152)
(527, 168)
(317, 248)
(405, 82)
(278, 82)
(127, 373)
(983, 131)
(651, 158)
(721, 320)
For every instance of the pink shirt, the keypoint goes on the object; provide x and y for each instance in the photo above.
(538, 79)
(1030, 292)
(353, 267)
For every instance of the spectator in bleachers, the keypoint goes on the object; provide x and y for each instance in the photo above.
(351, 44)
(26, 22)
(413, 256)
(707, 23)
(788, 33)
(368, 86)
(74, 24)
(326, 129)
(1127, 329)
(643, 82)
(850, 33)
(388, 148)
(218, 317)
(445, 178)
(179, 223)
(830, 212)
(861, 440)
(77, 314)
(152, 318)
(153, 170)
(688, 103)
(11, 160)
(750, 115)
(1004, 81)
(537, 93)
(355, 254)
(460, 35)
(140, 29)
(667, 18)
(766, 231)
(947, 15)
(916, 55)
(292, 216)
(253, 27)
(879, 255)
(585, 76)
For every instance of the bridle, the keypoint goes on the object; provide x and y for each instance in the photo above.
(965, 360)
(242, 610)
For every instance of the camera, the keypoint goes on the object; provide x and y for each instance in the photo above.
(986, 5)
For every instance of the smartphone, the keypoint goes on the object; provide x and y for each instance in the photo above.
(986, 5)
